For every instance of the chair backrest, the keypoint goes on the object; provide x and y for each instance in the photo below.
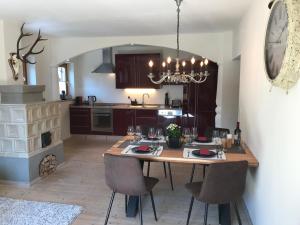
(124, 175)
(224, 182)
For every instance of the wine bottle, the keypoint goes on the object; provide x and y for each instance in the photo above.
(237, 134)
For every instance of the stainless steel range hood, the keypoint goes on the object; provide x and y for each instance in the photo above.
(107, 66)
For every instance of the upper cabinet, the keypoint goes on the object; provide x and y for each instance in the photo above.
(132, 70)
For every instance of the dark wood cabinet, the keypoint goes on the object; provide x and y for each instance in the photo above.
(131, 117)
(199, 100)
(122, 118)
(80, 120)
(132, 70)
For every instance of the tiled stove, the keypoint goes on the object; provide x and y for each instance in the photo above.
(21, 129)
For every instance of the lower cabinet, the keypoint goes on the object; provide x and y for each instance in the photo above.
(122, 118)
(131, 117)
(80, 120)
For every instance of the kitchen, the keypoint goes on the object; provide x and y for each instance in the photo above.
(113, 93)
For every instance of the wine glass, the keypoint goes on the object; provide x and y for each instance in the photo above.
(130, 132)
(187, 135)
(194, 133)
(159, 132)
(151, 133)
(216, 137)
(138, 132)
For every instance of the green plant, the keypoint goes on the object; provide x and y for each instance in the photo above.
(173, 131)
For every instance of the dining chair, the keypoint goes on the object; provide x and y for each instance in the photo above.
(145, 133)
(224, 183)
(209, 133)
(124, 175)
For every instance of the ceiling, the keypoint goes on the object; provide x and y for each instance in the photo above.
(123, 17)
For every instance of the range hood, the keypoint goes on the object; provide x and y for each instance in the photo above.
(107, 66)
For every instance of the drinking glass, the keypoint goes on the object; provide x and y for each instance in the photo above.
(187, 135)
(130, 132)
(216, 137)
(138, 132)
(151, 133)
(194, 133)
(159, 132)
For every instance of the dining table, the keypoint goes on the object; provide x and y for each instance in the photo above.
(169, 155)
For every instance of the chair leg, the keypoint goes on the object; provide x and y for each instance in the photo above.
(205, 215)
(237, 213)
(193, 171)
(109, 207)
(153, 205)
(126, 203)
(141, 209)
(170, 175)
(148, 169)
(204, 170)
(165, 170)
(190, 210)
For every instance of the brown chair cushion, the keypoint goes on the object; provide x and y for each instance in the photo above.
(150, 182)
(194, 188)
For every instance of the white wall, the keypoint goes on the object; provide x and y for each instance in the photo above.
(9, 33)
(270, 124)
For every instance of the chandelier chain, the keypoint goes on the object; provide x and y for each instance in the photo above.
(178, 3)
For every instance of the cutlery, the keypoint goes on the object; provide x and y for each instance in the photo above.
(128, 150)
(188, 154)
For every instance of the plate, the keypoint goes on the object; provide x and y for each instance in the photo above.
(209, 155)
(153, 139)
(208, 140)
(136, 150)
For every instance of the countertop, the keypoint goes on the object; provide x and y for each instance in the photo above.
(125, 106)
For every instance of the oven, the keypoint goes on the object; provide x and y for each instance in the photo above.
(102, 119)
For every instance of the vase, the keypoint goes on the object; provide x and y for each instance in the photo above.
(174, 142)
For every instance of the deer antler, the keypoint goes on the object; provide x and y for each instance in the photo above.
(24, 58)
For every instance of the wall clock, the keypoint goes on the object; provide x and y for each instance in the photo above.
(282, 44)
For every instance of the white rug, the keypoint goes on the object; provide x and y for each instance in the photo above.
(21, 212)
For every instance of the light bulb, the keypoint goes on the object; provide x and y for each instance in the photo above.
(183, 63)
(169, 60)
(201, 64)
(206, 62)
(163, 64)
(151, 64)
(193, 60)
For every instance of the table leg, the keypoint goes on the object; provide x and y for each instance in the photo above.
(133, 202)
(224, 214)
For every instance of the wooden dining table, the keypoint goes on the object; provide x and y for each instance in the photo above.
(176, 156)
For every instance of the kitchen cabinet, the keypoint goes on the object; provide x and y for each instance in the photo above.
(199, 100)
(80, 120)
(122, 118)
(131, 117)
(132, 70)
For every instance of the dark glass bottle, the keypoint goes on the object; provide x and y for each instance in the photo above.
(237, 134)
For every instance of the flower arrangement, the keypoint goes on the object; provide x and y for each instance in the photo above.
(173, 131)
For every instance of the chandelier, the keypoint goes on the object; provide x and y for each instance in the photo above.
(178, 76)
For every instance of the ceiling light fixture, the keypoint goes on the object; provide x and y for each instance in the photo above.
(180, 75)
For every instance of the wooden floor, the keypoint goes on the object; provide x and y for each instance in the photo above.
(80, 180)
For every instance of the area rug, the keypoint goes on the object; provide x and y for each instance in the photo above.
(21, 212)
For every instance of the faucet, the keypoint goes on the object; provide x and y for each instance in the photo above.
(143, 101)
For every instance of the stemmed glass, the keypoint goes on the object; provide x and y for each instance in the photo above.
(151, 133)
(187, 135)
(130, 132)
(194, 133)
(138, 133)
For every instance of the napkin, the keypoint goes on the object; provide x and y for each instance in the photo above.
(204, 151)
(202, 138)
(143, 148)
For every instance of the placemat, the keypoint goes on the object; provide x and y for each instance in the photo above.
(234, 149)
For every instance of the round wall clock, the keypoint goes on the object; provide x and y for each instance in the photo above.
(282, 44)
